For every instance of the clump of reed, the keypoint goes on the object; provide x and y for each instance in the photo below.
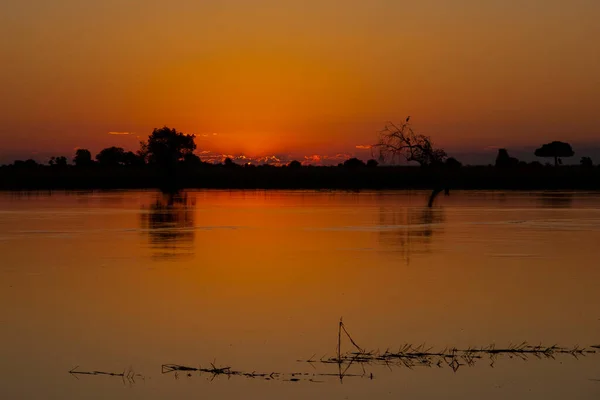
(214, 371)
(407, 355)
(411, 356)
(128, 375)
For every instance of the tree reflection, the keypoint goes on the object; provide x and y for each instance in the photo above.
(555, 199)
(169, 223)
(410, 231)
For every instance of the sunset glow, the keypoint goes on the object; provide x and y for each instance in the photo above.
(296, 79)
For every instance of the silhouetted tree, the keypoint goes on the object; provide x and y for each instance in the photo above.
(503, 160)
(372, 163)
(111, 156)
(556, 150)
(190, 160)
(60, 161)
(166, 147)
(82, 158)
(586, 162)
(402, 141)
(453, 163)
(535, 164)
(29, 163)
(295, 164)
(132, 159)
(229, 163)
(354, 163)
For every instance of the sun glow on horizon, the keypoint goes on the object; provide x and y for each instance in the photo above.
(299, 77)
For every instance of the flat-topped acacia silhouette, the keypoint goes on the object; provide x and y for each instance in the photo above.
(556, 150)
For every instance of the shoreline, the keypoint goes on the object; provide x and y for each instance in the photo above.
(304, 178)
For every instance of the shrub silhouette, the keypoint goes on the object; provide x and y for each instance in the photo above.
(453, 163)
(586, 162)
(503, 160)
(228, 163)
(354, 163)
(372, 163)
(60, 161)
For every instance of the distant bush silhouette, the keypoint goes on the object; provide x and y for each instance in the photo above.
(27, 164)
(111, 156)
(83, 158)
(556, 150)
(503, 160)
(228, 163)
(354, 163)
(586, 162)
(401, 140)
(60, 161)
(132, 159)
(453, 163)
(167, 161)
(535, 164)
(190, 160)
(372, 163)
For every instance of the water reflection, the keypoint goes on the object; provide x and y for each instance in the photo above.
(410, 231)
(555, 199)
(169, 224)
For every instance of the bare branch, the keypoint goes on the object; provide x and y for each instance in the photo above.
(401, 140)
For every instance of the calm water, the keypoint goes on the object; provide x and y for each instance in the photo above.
(257, 280)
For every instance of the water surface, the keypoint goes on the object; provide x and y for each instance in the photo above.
(256, 280)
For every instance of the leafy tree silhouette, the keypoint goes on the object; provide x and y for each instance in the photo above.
(82, 158)
(111, 156)
(166, 147)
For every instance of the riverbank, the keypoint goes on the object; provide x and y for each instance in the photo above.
(265, 177)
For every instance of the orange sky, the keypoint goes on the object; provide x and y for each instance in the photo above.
(296, 77)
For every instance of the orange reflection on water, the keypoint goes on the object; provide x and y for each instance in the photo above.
(260, 279)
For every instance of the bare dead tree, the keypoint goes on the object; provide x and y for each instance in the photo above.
(401, 141)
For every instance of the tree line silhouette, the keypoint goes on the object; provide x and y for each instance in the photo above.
(167, 160)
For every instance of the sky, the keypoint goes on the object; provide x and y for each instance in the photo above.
(298, 79)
